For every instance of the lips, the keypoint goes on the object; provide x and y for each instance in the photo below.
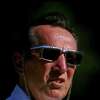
(59, 80)
(55, 83)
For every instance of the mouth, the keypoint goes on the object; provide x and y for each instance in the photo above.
(56, 83)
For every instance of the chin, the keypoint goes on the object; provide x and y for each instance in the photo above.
(55, 94)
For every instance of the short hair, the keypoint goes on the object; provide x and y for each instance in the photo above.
(54, 19)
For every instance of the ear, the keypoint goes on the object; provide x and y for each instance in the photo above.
(18, 62)
(17, 58)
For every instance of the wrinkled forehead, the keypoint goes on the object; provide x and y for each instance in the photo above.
(51, 35)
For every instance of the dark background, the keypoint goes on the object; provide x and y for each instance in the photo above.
(86, 82)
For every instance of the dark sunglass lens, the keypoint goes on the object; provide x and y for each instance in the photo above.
(50, 53)
(73, 57)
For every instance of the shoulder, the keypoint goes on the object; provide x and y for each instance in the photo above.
(18, 94)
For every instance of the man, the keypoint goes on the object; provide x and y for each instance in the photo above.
(47, 67)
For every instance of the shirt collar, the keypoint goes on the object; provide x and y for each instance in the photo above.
(18, 94)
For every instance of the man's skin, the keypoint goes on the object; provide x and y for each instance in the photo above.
(38, 74)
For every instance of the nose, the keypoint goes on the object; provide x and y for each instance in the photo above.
(61, 63)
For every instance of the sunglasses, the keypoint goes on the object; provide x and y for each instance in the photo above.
(50, 54)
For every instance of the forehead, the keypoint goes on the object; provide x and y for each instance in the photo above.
(52, 35)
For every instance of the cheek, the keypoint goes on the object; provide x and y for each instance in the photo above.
(33, 72)
(46, 70)
(69, 76)
(70, 73)
(36, 72)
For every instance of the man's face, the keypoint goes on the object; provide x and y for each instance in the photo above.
(50, 80)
